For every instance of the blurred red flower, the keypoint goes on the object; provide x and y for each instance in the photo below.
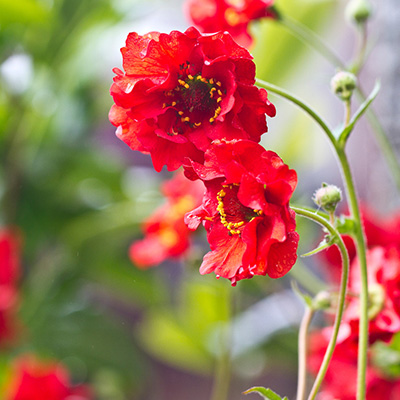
(32, 379)
(341, 378)
(180, 91)
(384, 296)
(378, 231)
(233, 16)
(9, 274)
(166, 234)
(245, 211)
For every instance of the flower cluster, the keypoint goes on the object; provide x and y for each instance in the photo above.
(231, 16)
(33, 379)
(9, 275)
(189, 100)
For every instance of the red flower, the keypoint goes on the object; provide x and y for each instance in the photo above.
(384, 288)
(245, 211)
(9, 257)
(9, 274)
(378, 232)
(341, 378)
(36, 380)
(165, 230)
(181, 91)
(229, 15)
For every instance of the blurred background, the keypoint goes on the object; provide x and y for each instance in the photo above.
(75, 197)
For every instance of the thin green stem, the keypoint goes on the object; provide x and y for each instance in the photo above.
(386, 147)
(362, 49)
(309, 37)
(313, 114)
(303, 350)
(358, 234)
(361, 252)
(222, 376)
(347, 112)
(342, 295)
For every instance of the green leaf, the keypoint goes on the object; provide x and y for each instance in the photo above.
(265, 393)
(361, 110)
(345, 225)
(322, 246)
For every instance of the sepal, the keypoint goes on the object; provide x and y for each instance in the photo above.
(267, 394)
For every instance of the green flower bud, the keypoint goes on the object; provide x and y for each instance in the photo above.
(322, 301)
(376, 300)
(343, 84)
(327, 197)
(358, 11)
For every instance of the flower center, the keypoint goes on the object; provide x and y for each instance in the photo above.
(195, 98)
(233, 214)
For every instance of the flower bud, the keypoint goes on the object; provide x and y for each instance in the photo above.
(327, 197)
(358, 11)
(343, 84)
(376, 300)
(322, 301)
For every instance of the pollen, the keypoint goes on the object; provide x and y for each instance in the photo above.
(196, 99)
(232, 227)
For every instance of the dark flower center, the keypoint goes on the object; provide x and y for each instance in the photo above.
(233, 214)
(195, 98)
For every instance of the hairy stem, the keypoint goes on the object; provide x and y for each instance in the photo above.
(303, 350)
(222, 374)
(342, 294)
(311, 38)
(361, 253)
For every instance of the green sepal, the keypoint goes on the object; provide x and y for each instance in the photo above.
(265, 393)
(344, 225)
(327, 242)
(363, 107)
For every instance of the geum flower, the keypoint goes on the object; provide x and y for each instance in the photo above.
(233, 16)
(245, 211)
(9, 274)
(379, 231)
(181, 91)
(340, 381)
(166, 234)
(384, 297)
(34, 379)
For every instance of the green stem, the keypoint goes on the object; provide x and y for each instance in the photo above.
(361, 252)
(306, 278)
(309, 37)
(284, 93)
(303, 350)
(358, 234)
(220, 390)
(359, 59)
(347, 112)
(386, 147)
(342, 294)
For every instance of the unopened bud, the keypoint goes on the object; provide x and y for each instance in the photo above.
(322, 301)
(376, 300)
(358, 11)
(343, 84)
(327, 197)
